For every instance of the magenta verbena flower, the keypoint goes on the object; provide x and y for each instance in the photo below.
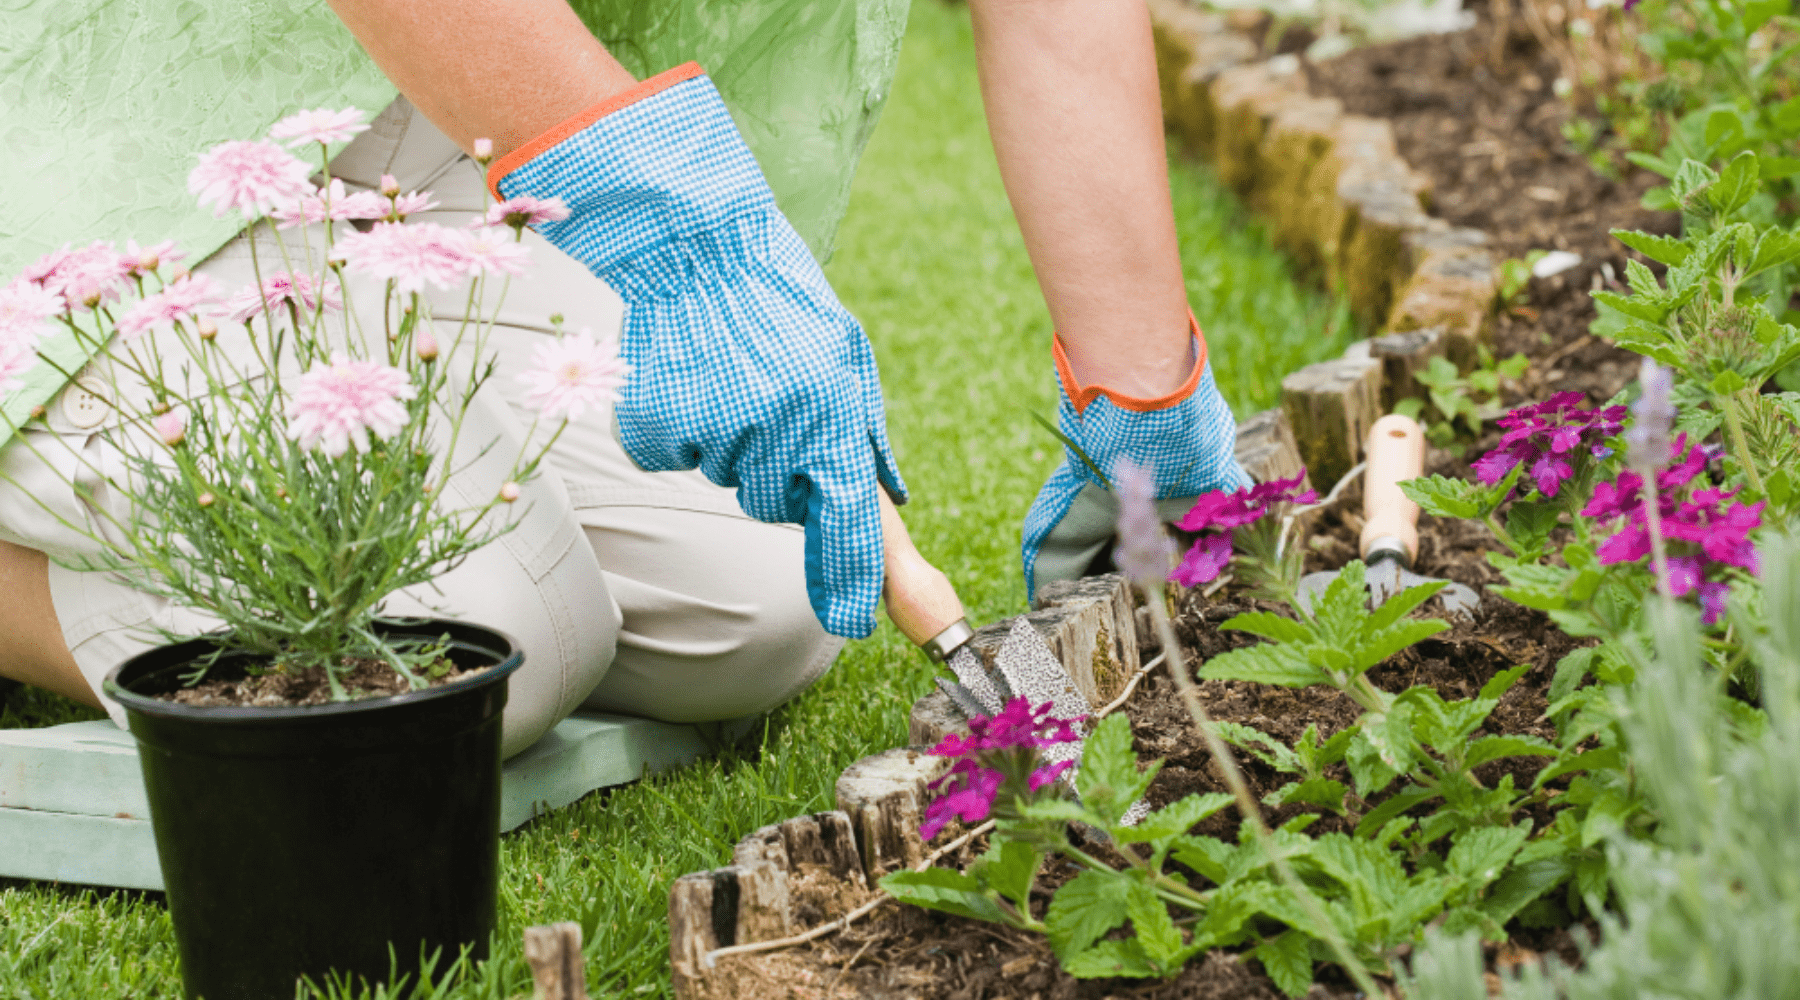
(321, 125)
(1001, 754)
(1707, 533)
(1211, 553)
(1546, 437)
(251, 177)
(525, 211)
(347, 402)
(280, 291)
(84, 278)
(570, 374)
(187, 297)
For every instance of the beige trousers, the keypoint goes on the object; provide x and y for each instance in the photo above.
(634, 592)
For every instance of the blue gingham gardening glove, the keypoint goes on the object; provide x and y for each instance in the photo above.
(1186, 438)
(743, 361)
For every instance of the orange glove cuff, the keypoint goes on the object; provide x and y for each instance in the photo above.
(575, 123)
(1080, 396)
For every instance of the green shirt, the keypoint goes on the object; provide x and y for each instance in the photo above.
(106, 104)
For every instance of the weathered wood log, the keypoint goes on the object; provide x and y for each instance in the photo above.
(885, 796)
(1192, 48)
(932, 718)
(1331, 406)
(1266, 447)
(826, 840)
(554, 954)
(1402, 356)
(1452, 287)
(1246, 98)
(736, 904)
(1296, 183)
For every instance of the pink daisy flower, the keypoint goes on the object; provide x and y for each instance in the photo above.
(282, 289)
(494, 250)
(321, 125)
(25, 310)
(347, 403)
(145, 260)
(570, 374)
(84, 278)
(252, 177)
(332, 203)
(526, 211)
(409, 256)
(187, 296)
(412, 203)
(16, 358)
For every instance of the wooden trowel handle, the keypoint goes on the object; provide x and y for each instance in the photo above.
(920, 599)
(1396, 452)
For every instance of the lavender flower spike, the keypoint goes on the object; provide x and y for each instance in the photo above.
(1647, 441)
(1145, 551)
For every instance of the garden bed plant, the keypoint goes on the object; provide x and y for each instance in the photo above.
(1391, 772)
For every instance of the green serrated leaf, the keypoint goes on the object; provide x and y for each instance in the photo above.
(1174, 819)
(1288, 961)
(1662, 249)
(1441, 496)
(1156, 931)
(1208, 856)
(1084, 908)
(945, 890)
(1009, 867)
(1270, 626)
(1109, 780)
(1124, 959)
(1603, 759)
(1480, 855)
(1390, 641)
(1525, 883)
(1283, 666)
(1637, 307)
(1264, 747)
(1738, 182)
(1502, 682)
(1322, 792)
(1399, 802)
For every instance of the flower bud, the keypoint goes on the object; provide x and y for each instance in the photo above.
(208, 329)
(426, 345)
(390, 188)
(37, 413)
(484, 151)
(172, 428)
(206, 499)
(427, 488)
(509, 491)
(149, 261)
(281, 493)
(180, 273)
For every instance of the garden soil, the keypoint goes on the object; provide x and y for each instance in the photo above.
(1488, 134)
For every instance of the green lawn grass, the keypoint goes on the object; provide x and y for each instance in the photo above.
(930, 260)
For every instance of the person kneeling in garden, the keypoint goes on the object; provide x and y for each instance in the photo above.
(699, 550)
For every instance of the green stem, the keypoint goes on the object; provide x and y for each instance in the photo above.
(1740, 445)
(1322, 928)
(1505, 537)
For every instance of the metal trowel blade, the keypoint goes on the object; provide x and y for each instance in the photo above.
(1387, 578)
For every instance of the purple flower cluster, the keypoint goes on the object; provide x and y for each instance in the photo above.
(1210, 553)
(1000, 751)
(1546, 436)
(1706, 536)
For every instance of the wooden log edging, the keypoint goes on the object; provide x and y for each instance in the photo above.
(1339, 199)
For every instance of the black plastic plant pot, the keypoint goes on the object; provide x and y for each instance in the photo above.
(309, 840)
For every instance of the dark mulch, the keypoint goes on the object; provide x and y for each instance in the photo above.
(1489, 136)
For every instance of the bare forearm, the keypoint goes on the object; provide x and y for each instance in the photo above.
(1075, 113)
(505, 70)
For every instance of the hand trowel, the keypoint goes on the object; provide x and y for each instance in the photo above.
(1390, 535)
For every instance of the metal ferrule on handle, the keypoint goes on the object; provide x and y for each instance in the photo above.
(939, 647)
